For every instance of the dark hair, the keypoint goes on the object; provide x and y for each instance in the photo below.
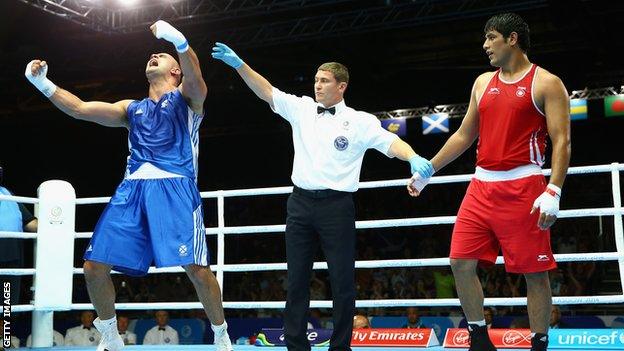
(506, 23)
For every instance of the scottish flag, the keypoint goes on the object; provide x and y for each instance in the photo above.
(435, 123)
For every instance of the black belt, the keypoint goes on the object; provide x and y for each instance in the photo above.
(318, 194)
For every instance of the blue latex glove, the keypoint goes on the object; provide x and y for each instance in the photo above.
(422, 166)
(223, 52)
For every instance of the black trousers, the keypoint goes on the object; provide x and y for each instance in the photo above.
(327, 218)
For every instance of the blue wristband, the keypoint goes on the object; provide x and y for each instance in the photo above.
(183, 47)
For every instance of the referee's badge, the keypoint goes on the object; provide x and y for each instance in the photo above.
(341, 143)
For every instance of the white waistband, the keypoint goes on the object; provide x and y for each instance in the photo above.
(149, 171)
(514, 173)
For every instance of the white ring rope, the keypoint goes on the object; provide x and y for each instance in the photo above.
(21, 199)
(221, 230)
(369, 224)
(363, 185)
(418, 262)
(489, 301)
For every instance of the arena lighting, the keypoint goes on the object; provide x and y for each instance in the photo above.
(127, 2)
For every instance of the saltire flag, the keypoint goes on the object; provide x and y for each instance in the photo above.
(435, 123)
(395, 125)
(578, 109)
(614, 105)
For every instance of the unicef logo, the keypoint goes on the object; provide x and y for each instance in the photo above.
(341, 143)
(622, 338)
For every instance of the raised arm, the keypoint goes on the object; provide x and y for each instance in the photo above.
(257, 83)
(106, 114)
(193, 86)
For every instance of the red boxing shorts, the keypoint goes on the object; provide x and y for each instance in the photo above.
(495, 215)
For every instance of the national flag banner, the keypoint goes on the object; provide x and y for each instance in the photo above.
(578, 109)
(395, 125)
(435, 123)
(614, 105)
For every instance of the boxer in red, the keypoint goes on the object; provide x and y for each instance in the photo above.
(508, 204)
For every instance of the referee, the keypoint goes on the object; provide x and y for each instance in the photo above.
(330, 140)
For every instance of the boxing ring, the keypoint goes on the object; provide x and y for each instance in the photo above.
(53, 270)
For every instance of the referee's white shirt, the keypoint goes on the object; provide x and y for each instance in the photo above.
(128, 337)
(329, 149)
(82, 336)
(155, 336)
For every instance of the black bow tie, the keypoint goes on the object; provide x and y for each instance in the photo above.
(162, 328)
(321, 109)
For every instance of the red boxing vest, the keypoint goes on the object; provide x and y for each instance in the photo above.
(512, 129)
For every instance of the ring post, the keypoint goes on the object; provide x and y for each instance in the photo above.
(220, 238)
(54, 257)
(617, 219)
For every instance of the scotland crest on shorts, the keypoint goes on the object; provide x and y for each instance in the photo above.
(341, 143)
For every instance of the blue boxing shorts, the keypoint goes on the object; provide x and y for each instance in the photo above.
(151, 219)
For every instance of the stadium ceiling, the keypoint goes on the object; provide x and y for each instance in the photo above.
(262, 22)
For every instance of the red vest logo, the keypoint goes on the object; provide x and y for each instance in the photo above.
(521, 91)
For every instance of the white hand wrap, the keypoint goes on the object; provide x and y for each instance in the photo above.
(548, 202)
(418, 183)
(40, 81)
(166, 31)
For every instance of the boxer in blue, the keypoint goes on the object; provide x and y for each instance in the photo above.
(156, 213)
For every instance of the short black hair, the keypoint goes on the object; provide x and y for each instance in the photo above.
(506, 23)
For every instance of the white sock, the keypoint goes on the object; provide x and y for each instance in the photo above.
(480, 323)
(108, 324)
(218, 329)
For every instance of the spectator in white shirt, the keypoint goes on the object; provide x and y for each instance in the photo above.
(129, 338)
(162, 333)
(85, 334)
